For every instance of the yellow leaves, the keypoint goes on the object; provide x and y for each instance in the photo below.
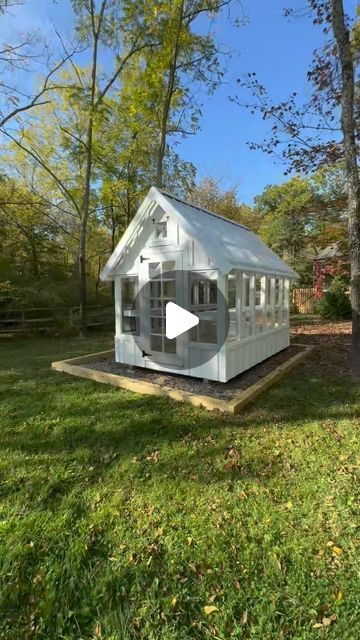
(339, 596)
(337, 551)
(289, 505)
(209, 609)
(190, 541)
(174, 601)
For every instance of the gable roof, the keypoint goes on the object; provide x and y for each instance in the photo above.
(331, 251)
(228, 243)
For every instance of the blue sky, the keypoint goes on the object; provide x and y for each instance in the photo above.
(278, 49)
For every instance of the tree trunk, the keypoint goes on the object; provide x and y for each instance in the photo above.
(167, 104)
(342, 39)
(83, 229)
(88, 171)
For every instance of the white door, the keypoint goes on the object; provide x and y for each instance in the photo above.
(162, 282)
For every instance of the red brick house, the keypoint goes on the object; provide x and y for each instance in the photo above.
(328, 263)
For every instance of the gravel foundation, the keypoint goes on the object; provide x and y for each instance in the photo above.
(225, 391)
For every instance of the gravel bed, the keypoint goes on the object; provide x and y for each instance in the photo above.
(226, 390)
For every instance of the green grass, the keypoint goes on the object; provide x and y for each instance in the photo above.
(123, 516)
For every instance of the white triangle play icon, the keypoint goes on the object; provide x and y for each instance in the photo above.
(178, 320)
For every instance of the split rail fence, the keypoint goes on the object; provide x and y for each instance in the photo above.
(40, 319)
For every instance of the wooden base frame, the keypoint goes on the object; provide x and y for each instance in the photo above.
(234, 406)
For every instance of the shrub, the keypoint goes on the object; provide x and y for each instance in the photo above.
(335, 304)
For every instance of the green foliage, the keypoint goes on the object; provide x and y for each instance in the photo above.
(303, 215)
(335, 304)
(209, 194)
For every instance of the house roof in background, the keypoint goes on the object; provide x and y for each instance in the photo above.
(230, 245)
(331, 251)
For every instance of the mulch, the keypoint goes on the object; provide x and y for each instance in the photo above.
(331, 340)
(225, 391)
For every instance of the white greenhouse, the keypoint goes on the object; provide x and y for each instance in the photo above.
(216, 269)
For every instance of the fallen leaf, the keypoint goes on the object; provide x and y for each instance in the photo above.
(210, 609)
(337, 551)
(327, 621)
(244, 618)
(174, 601)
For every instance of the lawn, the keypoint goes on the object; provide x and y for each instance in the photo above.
(133, 517)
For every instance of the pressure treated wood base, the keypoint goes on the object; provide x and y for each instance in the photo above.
(240, 399)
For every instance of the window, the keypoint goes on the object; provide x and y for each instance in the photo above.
(277, 297)
(246, 325)
(257, 292)
(285, 310)
(259, 310)
(268, 291)
(203, 302)
(232, 292)
(129, 312)
(160, 229)
(269, 302)
(128, 292)
(233, 327)
(162, 287)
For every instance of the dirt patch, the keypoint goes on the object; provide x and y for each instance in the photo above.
(331, 340)
(225, 391)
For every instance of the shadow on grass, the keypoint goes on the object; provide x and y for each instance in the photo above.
(61, 420)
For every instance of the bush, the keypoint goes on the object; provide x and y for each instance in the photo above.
(335, 304)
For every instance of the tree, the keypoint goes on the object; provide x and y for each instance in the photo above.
(186, 60)
(122, 29)
(28, 55)
(308, 136)
(345, 56)
(286, 224)
(208, 194)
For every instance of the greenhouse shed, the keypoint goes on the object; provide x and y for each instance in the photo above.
(213, 267)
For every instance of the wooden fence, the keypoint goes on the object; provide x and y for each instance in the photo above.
(40, 319)
(303, 301)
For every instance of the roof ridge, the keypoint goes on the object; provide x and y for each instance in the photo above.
(195, 206)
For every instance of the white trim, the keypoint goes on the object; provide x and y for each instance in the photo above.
(211, 246)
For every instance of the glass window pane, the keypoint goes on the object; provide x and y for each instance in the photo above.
(257, 292)
(156, 343)
(168, 268)
(157, 324)
(160, 229)
(202, 292)
(155, 289)
(246, 291)
(129, 324)
(246, 328)
(259, 320)
(129, 288)
(232, 292)
(268, 290)
(277, 290)
(154, 270)
(213, 292)
(169, 289)
(208, 331)
(169, 346)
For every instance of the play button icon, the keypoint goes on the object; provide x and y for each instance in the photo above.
(178, 320)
